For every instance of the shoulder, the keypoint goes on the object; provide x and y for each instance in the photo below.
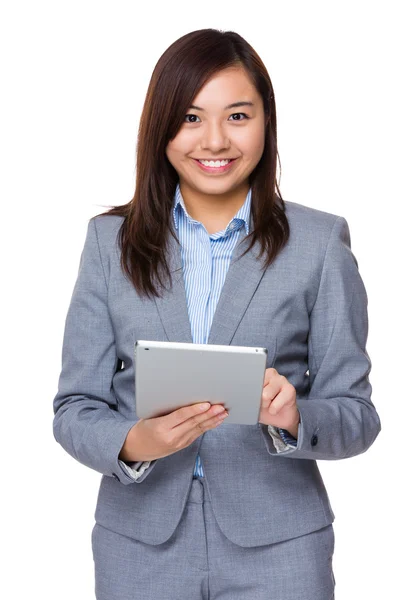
(313, 227)
(106, 228)
(300, 215)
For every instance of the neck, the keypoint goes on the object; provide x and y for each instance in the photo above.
(214, 211)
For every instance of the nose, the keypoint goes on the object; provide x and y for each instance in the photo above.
(214, 138)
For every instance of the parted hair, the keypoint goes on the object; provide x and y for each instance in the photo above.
(180, 73)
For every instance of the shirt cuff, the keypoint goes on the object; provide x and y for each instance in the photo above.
(133, 469)
(282, 440)
(287, 437)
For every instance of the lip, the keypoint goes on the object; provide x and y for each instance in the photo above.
(215, 170)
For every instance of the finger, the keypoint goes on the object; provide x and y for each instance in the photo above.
(271, 391)
(198, 424)
(280, 401)
(198, 421)
(269, 374)
(186, 412)
(214, 421)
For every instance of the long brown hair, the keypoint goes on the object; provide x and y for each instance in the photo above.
(179, 74)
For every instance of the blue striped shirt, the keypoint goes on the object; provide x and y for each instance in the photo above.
(206, 259)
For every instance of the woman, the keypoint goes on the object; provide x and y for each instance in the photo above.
(209, 252)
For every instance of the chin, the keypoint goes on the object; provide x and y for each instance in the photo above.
(214, 189)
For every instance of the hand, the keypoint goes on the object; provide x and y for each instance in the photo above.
(150, 439)
(279, 403)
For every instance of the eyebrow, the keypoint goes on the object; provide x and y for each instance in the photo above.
(234, 105)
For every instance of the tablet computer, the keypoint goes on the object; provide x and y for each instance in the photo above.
(169, 375)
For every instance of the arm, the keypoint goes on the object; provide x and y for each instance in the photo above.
(337, 418)
(86, 422)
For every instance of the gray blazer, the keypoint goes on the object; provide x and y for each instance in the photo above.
(309, 309)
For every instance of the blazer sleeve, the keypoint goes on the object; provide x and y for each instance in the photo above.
(86, 421)
(337, 418)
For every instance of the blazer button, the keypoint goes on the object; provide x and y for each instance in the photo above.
(314, 440)
(115, 476)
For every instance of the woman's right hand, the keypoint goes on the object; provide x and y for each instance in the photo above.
(150, 439)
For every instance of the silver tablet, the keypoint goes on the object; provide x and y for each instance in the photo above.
(169, 375)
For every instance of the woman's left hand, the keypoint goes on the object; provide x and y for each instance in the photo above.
(279, 403)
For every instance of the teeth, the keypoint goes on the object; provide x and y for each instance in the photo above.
(214, 163)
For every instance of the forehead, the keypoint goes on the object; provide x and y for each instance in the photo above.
(225, 87)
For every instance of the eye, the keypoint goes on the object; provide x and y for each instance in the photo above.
(192, 117)
(244, 115)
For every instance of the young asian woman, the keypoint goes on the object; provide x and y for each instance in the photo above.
(207, 251)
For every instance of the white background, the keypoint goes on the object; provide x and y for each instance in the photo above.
(74, 76)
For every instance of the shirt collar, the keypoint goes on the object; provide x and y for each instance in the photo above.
(243, 214)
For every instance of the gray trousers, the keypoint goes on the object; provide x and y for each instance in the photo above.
(199, 563)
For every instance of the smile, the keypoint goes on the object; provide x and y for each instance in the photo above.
(215, 166)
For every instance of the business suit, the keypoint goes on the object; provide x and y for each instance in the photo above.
(308, 308)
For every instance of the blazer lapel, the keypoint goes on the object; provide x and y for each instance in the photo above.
(242, 279)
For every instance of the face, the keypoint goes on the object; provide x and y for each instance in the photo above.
(215, 128)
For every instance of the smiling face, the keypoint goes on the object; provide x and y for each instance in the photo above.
(225, 121)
